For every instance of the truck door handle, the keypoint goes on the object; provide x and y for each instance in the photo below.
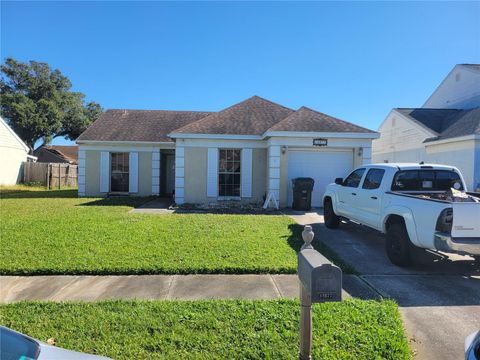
(373, 197)
(354, 193)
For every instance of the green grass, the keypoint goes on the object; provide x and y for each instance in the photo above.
(213, 329)
(54, 232)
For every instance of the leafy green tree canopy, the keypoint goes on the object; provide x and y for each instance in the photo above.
(37, 102)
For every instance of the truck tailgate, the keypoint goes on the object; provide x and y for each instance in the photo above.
(466, 220)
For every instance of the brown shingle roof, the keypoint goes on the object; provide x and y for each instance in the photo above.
(308, 120)
(139, 125)
(57, 153)
(253, 116)
(68, 152)
(447, 123)
(250, 117)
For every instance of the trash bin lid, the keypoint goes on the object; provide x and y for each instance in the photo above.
(303, 183)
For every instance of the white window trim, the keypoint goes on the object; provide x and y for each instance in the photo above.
(223, 197)
(110, 173)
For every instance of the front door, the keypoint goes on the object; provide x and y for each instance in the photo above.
(169, 174)
(348, 194)
(370, 197)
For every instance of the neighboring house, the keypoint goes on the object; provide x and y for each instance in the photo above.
(459, 90)
(446, 130)
(57, 154)
(241, 153)
(13, 153)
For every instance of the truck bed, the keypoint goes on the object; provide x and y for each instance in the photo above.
(446, 196)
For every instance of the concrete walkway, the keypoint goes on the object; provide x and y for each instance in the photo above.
(156, 206)
(162, 287)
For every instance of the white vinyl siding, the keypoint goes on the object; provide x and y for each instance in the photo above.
(212, 172)
(246, 173)
(104, 171)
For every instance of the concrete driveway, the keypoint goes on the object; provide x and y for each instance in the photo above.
(439, 297)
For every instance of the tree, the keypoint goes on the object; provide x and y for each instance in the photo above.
(37, 102)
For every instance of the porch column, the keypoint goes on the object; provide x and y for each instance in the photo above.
(156, 172)
(367, 155)
(273, 185)
(179, 175)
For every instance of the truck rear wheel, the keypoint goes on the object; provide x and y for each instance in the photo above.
(398, 245)
(332, 221)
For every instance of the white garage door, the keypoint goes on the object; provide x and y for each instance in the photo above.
(322, 166)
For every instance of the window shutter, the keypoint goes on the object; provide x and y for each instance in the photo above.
(246, 172)
(104, 171)
(133, 173)
(212, 172)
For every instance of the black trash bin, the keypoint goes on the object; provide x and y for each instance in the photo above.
(302, 193)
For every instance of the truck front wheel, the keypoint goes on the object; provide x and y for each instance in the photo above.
(398, 245)
(332, 221)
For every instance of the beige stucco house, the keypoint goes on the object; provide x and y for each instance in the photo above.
(242, 153)
(13, 153)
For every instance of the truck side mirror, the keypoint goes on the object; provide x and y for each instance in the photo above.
(339, 181)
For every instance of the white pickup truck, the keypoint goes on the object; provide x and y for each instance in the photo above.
(415, 205)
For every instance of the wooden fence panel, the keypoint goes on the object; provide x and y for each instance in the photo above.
(52, 175)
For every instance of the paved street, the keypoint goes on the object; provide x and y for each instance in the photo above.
(439, 297)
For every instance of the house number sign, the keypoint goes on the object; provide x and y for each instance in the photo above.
(320, 142)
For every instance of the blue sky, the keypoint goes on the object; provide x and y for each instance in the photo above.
(353, 60)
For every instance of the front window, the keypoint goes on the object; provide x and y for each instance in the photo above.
(119, 172)
(229, 172)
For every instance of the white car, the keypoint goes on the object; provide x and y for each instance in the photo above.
(17, 346)
(415, 205)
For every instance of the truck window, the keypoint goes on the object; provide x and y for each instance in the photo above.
(425, 180)
(353, 180)
(446, 179)
(373, 179)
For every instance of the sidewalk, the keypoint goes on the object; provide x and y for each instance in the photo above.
(162, 287)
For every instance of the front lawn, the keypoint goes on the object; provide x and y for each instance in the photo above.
(231, 329)
(54, 232)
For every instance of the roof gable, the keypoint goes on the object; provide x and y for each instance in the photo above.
(460, 89)
(250, 117)
(308, 120)
(9, 138)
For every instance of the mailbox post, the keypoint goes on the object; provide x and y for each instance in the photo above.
(320, 281)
